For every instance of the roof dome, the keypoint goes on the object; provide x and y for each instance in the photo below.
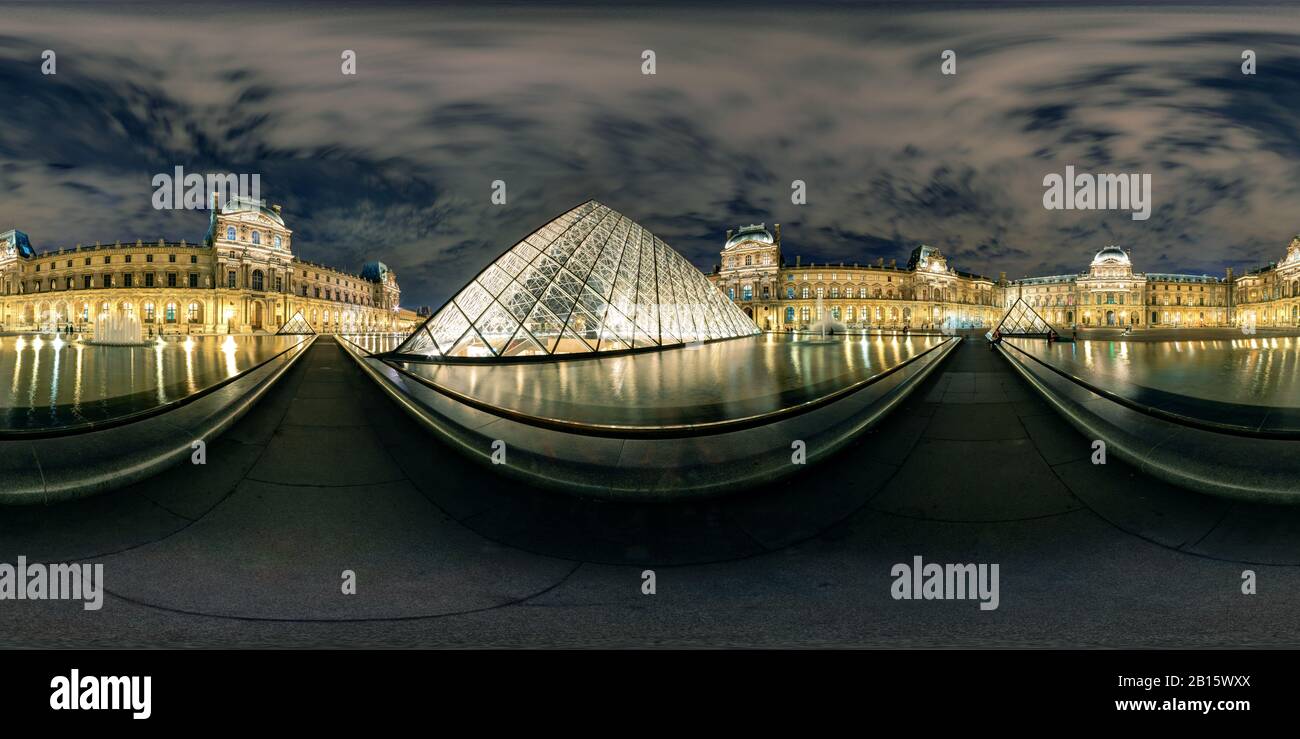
(753, 232)
(374, 271)
(590, 281)
(239, 204)
(1111, 253)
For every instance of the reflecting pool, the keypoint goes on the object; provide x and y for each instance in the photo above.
(707, 383)
(1250, 383)
(375, 343)
(57, 383)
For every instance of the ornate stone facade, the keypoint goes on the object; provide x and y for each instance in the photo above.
(242, 278)
(929, 293)
(926, 294)
(1111, 294)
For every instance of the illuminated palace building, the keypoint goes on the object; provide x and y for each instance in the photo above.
(1112, 294)
(242, 278)
(928, 293)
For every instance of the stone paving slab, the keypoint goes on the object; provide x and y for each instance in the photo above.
(271, 551)
(1019, 484)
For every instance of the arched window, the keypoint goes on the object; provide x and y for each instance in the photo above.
(171, 313)
(192, 314)
(257, 279)
(230, 233)
(148, 312)
(257, 237)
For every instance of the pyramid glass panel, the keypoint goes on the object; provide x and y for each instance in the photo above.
(296, 326)
(1021, 320)
(590, 281)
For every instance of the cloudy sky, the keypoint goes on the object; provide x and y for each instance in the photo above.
(396, 163)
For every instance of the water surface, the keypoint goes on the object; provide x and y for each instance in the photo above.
(1252, 383)
(719, 381)
(53, 383)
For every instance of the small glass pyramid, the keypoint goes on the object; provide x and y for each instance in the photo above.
(590, 281)
(295, 326)
(1021, 320)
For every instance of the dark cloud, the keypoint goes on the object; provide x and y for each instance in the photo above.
(397, 162)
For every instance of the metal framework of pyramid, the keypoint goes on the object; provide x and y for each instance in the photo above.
(1021, 320)
(590, 281)
(296, 325)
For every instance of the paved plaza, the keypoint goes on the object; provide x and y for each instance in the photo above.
(326, 474)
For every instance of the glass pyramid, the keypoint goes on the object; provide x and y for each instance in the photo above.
(1021, 320)
(589, 281)
(296, 325)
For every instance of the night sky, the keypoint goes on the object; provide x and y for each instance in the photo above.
(396, 163)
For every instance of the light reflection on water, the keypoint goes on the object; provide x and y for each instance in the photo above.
(1247, 371)
(716, 381)
(376, 343)
(56, 382)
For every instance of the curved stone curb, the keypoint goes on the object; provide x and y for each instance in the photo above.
(650, 469)
(82, 464)
(1226, 465)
